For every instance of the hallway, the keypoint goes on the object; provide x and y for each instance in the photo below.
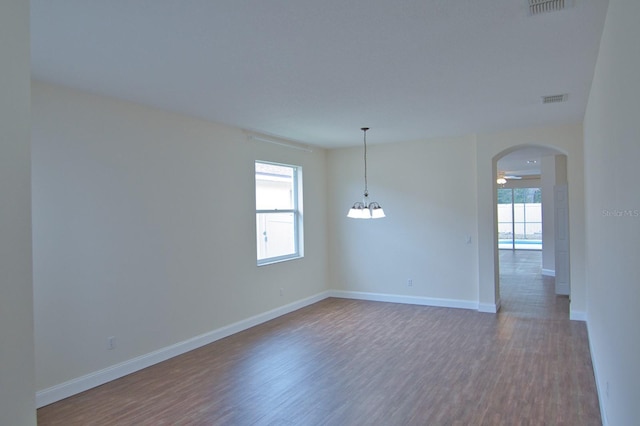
(524, 291)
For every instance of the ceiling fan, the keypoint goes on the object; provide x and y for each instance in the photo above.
(502, 178)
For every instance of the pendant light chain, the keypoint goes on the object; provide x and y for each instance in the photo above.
(366, 190)
(365, 209)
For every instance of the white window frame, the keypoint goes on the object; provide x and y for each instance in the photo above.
(298, 233)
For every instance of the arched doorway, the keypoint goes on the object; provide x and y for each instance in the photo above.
(532, 266)
(533, 178)
(567, 140)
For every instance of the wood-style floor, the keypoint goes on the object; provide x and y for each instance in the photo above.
(347, 362)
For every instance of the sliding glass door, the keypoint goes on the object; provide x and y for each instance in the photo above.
(519, 218)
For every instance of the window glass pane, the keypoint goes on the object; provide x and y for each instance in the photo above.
(519, 195)
(523, 228)
(505, 231)
(534, 230)
(504, 196)
(278, 214)
(276, 234)
(534, 212)
(518, 212)
(504, 213)
(274, 187)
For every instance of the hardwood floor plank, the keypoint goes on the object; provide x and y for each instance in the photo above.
(348, 362)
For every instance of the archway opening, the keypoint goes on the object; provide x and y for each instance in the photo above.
(530, 231)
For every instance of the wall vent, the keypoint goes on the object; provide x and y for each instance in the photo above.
(554, 98)
(541, 6)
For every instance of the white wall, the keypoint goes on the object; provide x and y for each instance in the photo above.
(612, 155)
(566, 139)
(554, 172)
(138, 235)
(436, 193)
(144, 229)
(427, 189)
(17, 401)
(547, 182)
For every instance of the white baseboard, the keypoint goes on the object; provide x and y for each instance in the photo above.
(491, 308)
(549, 272)
(97, 378)
(601, 393)
(410, 300)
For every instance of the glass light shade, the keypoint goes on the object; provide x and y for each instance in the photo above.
(358, 211)
(366, 211)
(377, 212)
(501, 181)
(354, 213)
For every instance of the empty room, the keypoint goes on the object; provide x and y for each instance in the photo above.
(319, 213)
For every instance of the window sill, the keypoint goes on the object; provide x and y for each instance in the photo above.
(278, 260)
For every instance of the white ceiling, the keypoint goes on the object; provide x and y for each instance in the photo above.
(316, 71)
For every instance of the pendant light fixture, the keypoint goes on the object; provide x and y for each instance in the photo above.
(365, 209)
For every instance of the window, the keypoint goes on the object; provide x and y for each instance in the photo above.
(278, 212)
(519, 218)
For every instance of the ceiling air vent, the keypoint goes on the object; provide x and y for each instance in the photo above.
(554, 98)
(542, 6)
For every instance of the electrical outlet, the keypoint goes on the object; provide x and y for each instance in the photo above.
(281, 291)
(410, 283)
(111, 343)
